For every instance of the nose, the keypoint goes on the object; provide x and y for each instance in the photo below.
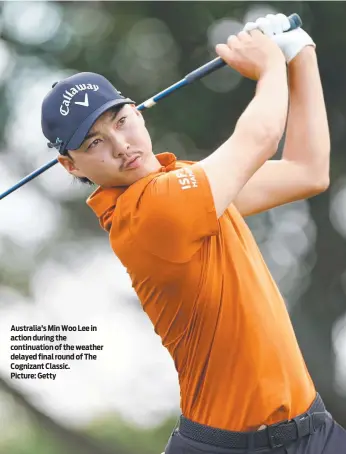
(120, 144)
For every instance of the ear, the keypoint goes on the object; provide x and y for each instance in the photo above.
(70, 166)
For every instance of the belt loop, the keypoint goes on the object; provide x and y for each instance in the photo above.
(297, 421)
(299, 424)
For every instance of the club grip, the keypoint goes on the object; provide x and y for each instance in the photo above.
(295, 21)
(217, 63)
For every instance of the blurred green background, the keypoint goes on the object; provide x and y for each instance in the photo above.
(55, 262)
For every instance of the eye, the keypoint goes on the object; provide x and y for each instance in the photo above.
(94, 143)
(121, 121)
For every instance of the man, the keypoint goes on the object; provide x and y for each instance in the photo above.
(178, 228)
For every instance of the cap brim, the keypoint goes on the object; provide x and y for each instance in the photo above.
(79, 136)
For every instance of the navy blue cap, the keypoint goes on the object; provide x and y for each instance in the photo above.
(73, 105)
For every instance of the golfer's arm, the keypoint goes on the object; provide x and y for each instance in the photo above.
(307, 138)
(255, 139)
(303, 170)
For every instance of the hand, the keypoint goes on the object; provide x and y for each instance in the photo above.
(251, 54)
(291, 43)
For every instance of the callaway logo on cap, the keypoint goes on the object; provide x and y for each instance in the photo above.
(73, 105)
(69, 94)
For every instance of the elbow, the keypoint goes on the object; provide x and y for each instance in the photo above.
(319, 170)
(321, 179)
(319, 185)
(323, 184)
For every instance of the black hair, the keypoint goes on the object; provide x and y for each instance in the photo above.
(85, 180)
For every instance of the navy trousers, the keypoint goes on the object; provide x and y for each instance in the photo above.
(330, 438)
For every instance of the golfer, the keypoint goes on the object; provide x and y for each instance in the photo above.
(179, 230)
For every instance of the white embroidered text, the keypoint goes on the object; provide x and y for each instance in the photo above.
(186, 178)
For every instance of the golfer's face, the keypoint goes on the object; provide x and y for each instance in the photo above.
(117, 151)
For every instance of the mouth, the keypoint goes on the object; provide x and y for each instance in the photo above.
(132, 163)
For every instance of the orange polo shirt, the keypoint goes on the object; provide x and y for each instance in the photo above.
(204, 285)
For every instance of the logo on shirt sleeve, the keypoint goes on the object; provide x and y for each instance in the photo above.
(186, 178)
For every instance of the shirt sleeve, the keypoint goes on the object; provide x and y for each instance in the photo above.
(175, 214)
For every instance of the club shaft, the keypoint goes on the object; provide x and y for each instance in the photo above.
(295, 22)
(29, 177)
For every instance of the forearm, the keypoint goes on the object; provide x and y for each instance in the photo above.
(265, 116)
(253, 142)
(307, 135)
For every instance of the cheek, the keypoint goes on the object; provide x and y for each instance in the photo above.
(91, 163)
(96, 155)
(138, 134)
(144, 137)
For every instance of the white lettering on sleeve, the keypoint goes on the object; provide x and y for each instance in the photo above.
(186, 178)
